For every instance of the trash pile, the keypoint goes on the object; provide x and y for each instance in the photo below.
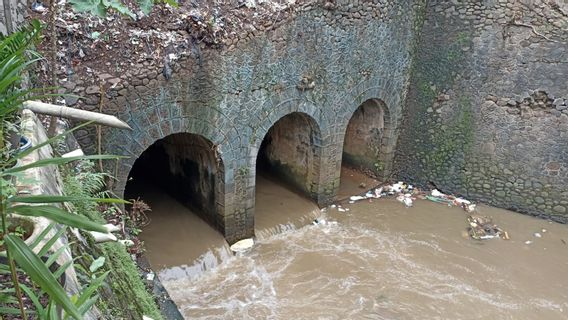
(403, 191)
(482, 228)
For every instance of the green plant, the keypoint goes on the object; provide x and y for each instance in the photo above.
(130, 298)
(20, 254)
(15, 57)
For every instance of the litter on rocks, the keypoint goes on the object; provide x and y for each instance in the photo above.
(483, 228)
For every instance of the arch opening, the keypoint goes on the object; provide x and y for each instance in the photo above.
(367, 146)
(287, 171)
(181, 179)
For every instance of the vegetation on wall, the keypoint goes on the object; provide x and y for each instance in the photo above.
(125, 294)
(447, 120)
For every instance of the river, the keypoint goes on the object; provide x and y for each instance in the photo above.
(379, 260)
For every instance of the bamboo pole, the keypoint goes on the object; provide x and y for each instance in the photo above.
(77, 114)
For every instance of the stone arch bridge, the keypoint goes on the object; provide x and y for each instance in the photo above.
(299, 99)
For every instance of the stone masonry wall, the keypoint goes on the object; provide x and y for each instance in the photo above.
(487, 114)
(324, 62)
(12, 14)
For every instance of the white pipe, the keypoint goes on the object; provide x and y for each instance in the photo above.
(77, 114)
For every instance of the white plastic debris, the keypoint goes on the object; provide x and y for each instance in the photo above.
(126, 243)
(378, 192)
(38, 7)
(397, 187)
(406, 199)
(333, 206)
(243, 245)
(462, 201)
(538, 235)
(147, 318)
(112, 227)
(528, 242)
(150, 276)
(319, 221)
(469, 207)
(357, 198)
(74, 153)
(437, 194)
(341, 209)
(100, 237)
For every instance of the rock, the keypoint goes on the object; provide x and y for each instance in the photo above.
(559, 209)
(71, 100)
(92, 90)
(558, 102)
(104, 76)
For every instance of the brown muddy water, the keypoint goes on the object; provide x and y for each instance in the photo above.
(379, 260)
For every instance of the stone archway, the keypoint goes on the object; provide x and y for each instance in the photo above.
(287, 171)
(291, 149)
(368, 143)
(187, 167)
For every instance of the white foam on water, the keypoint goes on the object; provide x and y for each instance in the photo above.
(350, 271)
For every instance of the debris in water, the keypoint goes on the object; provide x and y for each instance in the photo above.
(528, 242)
(538, 235)
(357, 198)
(378, 192)
(482, 228)
(543, 230)
(341, 209)
(406, 199)
(333, 206)
(243, 245)
(437, 196)
(362, 185)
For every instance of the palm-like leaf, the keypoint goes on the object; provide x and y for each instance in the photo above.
(40, 274)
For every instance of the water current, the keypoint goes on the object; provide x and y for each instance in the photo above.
(379, 260)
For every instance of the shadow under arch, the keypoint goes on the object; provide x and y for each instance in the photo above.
(187, 167)
(287, 174)
(291, 149)
(368, 142)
